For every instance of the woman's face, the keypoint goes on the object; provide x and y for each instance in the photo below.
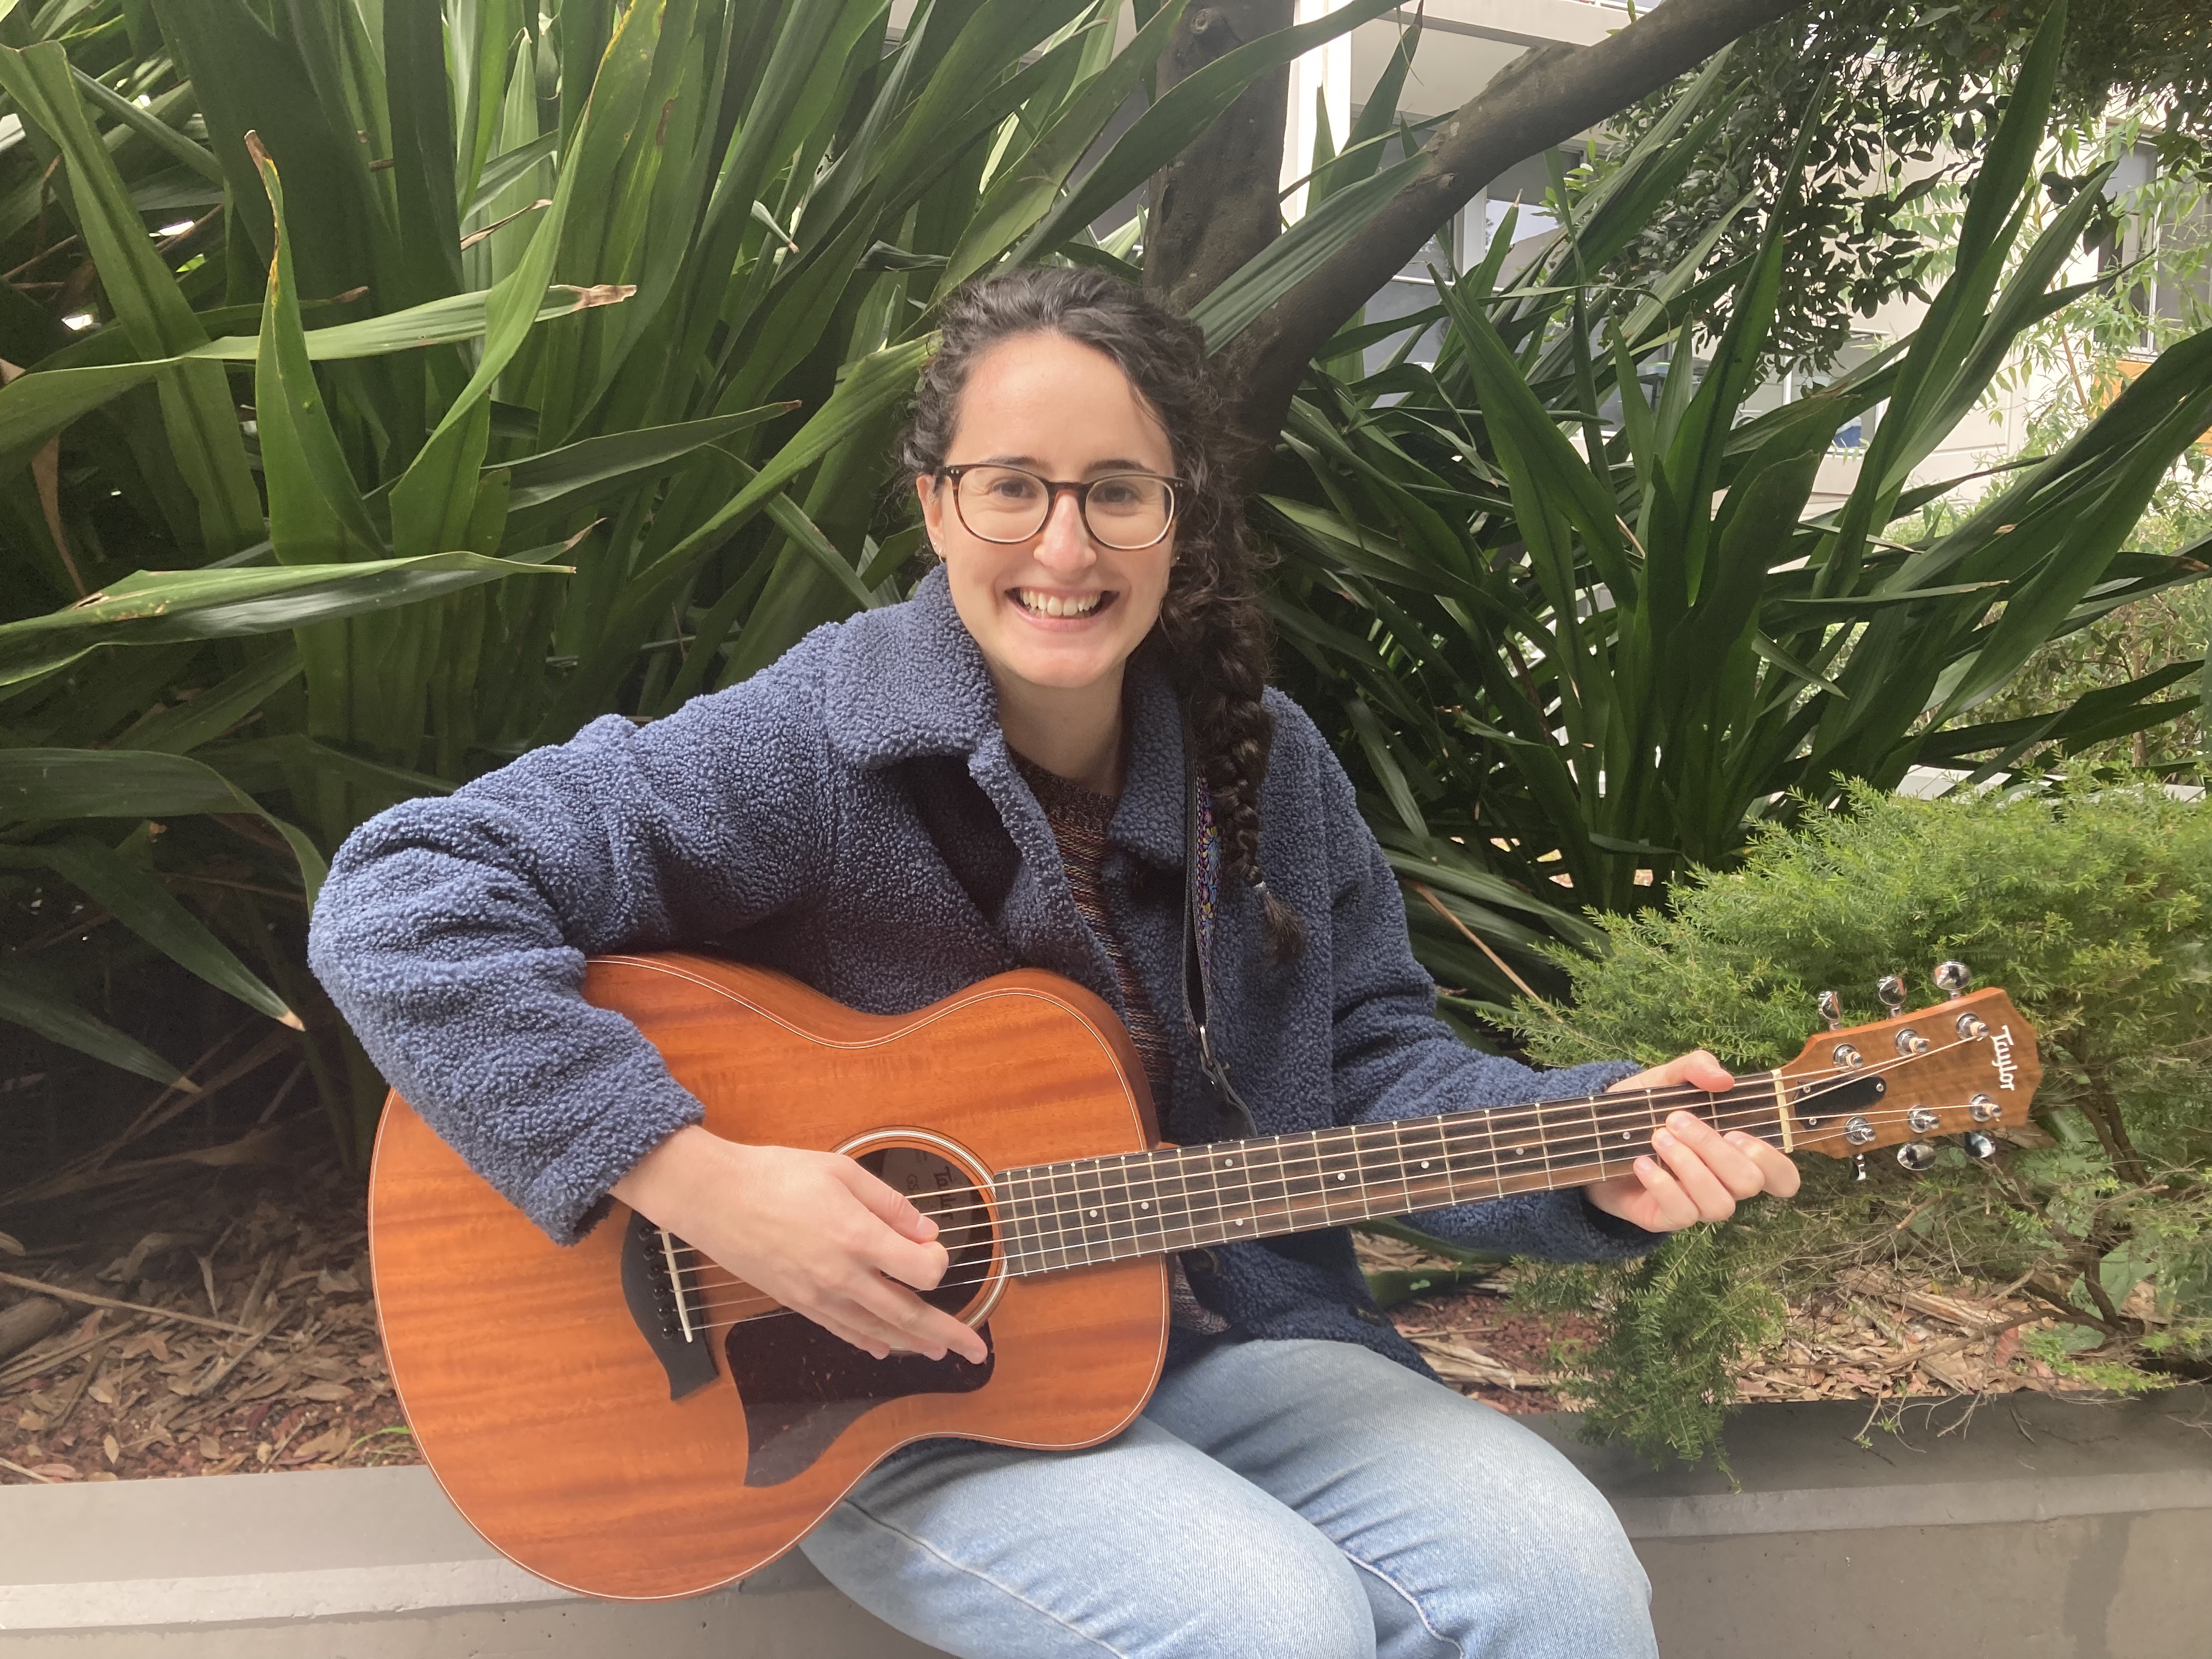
(1059, 612)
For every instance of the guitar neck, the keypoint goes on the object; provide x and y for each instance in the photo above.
(1058, 1216)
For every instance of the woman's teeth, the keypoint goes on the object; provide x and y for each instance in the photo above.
(1052, 604)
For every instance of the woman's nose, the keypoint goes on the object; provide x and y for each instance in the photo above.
(1065, 543)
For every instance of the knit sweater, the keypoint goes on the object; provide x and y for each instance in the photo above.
(852, 816)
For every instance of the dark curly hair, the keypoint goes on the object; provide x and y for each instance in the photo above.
(1211, 623)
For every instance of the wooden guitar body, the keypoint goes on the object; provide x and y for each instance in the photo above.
(532, 1381)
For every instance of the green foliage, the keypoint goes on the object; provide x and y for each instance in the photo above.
(569, 349)
(1902, 97)
(2090, 906)
(1559, 597)
(1673, 1326)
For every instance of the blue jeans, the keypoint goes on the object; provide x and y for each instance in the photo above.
(1277, 1500)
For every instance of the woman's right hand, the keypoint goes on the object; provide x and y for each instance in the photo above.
(813, 1229)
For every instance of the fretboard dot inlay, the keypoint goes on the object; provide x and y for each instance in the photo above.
(1343, 1177)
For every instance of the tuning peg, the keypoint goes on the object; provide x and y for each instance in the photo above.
(1891, 989)
(1858, 1166)
(1916, 1155)
(1832, 1009)
(1978, 1145)
(1952, 979)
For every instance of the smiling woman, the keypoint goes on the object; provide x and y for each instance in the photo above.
(1061, 753)
(1056, 608)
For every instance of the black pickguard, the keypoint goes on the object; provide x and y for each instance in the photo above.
(802, 1387)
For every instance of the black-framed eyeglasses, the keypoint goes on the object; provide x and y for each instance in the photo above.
(1125, 511)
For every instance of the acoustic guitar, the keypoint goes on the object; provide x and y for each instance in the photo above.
(625, 1417)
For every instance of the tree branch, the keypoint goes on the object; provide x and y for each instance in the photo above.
(1213, 207)
(1543, 99)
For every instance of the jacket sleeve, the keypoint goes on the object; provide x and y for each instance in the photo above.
(452, 932)
(1393, 1058)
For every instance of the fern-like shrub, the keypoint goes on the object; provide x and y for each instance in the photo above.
(2089, 905)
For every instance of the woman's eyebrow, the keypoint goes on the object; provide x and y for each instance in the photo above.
(1114, 464)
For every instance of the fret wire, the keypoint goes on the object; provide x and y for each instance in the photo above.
(1044, 1219)
(1021, 1188)
(1091, 1214)
(1188, 1173)
(1231, 1171)
(1324, 1186)
(1108, 1201)
(1271, 1191)
(1127, 1200)
(1044, 1225)
(1398, 1155)
(1146, 1225)
(1008, 1188)
(1431, 1131)
(1112, 1203)
(1359, 1139)
(1175, 1206)
(1066, 1213)
(1344, 1169)
(1597, 1135)
(1201, 1197)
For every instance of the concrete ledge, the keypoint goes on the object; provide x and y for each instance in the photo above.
(2031, 1527)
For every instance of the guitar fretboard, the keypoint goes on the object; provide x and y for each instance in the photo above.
(1057, 1216)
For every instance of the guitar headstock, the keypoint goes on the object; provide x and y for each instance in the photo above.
(1964, 1066)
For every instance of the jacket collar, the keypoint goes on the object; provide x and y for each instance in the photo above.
(908, 680)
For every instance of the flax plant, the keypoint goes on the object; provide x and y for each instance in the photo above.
(394, 389)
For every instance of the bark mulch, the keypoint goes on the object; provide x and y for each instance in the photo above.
(247, 1342)
(1870, 1336)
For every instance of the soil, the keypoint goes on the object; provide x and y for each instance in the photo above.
(249, 1342)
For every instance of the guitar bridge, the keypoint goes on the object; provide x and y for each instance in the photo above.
(666, 1313)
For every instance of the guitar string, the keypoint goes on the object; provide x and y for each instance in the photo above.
(1303, 1213)
(1450, 1122)
(1505, 1119)
(1307, 1211)
(1445, 1126)
(1014, 1263)
(1071, 1239)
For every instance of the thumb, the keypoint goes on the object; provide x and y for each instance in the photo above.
(891, 1206)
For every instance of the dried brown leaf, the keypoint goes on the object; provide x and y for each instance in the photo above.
(326, 1392)
(327, 1444)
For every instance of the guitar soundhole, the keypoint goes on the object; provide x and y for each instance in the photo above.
(938, 1188)
(802, 1386)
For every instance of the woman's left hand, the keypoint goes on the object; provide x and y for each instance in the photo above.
(1694, 1172)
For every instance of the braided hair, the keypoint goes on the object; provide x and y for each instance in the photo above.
(1211, 623)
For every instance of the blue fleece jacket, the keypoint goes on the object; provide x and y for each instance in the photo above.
(852, 816)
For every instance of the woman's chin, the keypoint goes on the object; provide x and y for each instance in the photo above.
(1071, 668)
(1067, 673)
